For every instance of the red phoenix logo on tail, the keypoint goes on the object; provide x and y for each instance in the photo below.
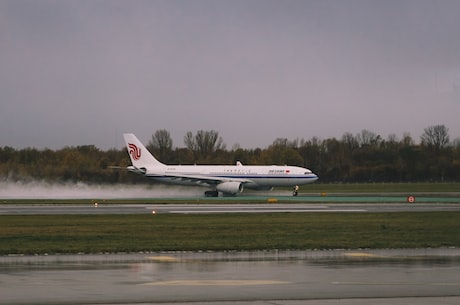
(134, 151)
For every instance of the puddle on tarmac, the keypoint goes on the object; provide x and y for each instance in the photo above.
(79, 261)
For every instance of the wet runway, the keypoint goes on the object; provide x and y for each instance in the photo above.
(431, 276)
(421, 276)
(101, 208)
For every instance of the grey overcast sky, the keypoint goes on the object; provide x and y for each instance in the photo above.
(83, 72)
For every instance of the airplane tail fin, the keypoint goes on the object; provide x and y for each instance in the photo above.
(140, 156)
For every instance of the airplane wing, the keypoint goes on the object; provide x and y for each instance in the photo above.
(203, 179)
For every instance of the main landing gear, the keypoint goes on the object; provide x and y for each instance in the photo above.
(211, 194)
(295, 191)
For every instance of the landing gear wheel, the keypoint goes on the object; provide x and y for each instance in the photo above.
(211, 194)
(295, 192)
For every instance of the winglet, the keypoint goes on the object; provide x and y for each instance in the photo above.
(140, 156)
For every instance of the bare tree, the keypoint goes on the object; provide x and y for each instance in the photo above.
(208, 141)
(190, 142)
(285, 143)
(367, 137)
(204, 143)
(436, 136)
(407, 139)
(161, 144)
(351, 142)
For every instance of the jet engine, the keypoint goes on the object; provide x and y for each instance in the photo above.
(231, 187)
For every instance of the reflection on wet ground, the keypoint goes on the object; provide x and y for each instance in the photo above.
(229, 276)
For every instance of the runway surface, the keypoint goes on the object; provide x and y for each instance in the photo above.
(193, 208)
(423, 276)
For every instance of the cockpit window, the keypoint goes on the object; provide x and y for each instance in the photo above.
(307, 172)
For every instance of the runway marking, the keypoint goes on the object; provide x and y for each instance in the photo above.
(262, 211)
(166, 259)
(361, 254)
(395, 283)
(215, 283)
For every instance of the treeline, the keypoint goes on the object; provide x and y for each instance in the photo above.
(364, 157)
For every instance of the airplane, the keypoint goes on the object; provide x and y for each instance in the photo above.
(226, 179)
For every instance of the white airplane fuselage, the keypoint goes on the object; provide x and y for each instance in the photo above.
(254, 177)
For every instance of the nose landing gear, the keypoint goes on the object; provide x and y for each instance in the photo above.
(295, 191)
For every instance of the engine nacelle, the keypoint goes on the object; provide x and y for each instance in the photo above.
(231, 187)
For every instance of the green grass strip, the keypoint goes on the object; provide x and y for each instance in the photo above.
(411, 187)
(166, 232)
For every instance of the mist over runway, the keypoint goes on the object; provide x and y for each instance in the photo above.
(81, 198)
(81, 190)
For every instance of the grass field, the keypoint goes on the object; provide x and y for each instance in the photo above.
(165, 232)
(383, 187)
(39, 234)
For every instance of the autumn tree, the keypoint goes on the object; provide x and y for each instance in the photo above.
(283, 151)
(363, 157)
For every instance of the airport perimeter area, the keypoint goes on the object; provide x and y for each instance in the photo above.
(209, 277)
